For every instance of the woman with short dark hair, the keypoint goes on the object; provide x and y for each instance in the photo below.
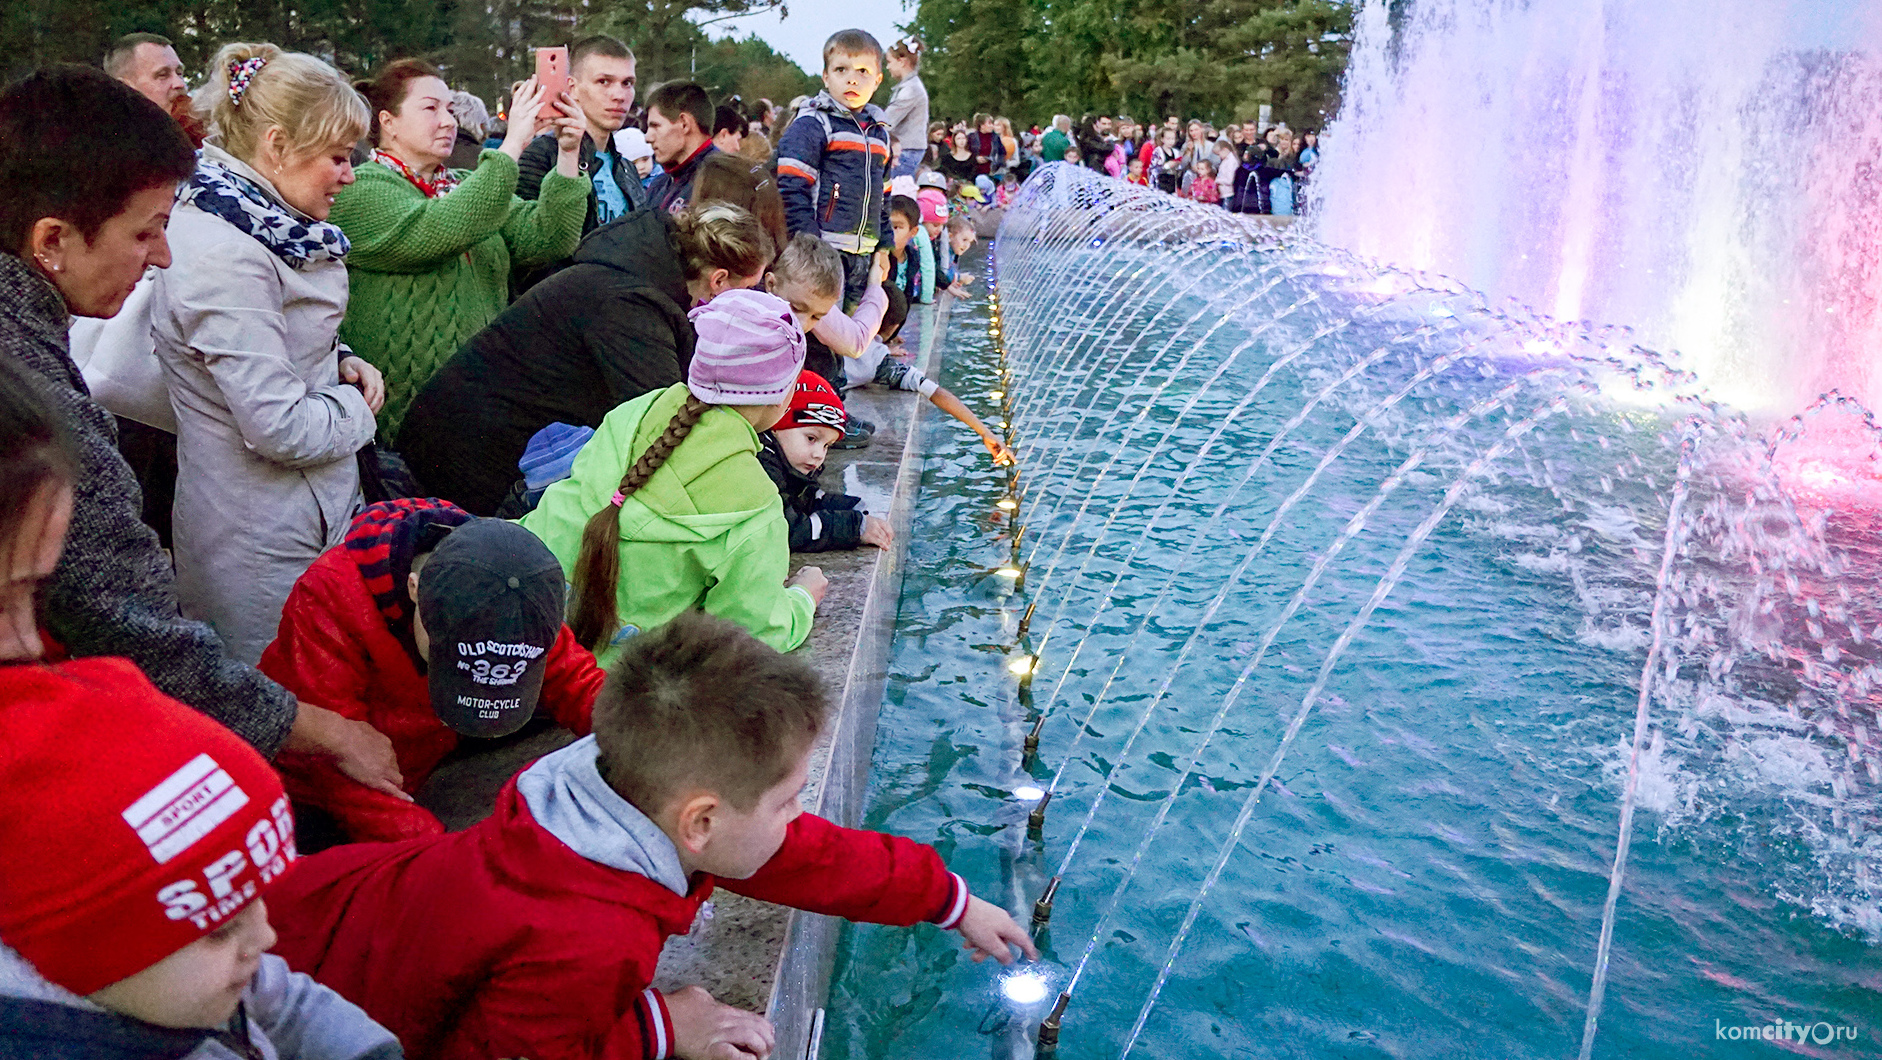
(88, 173)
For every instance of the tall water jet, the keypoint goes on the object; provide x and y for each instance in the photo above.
(1703, 171)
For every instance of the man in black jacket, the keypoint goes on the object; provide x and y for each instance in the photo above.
(679, 123)
(601, 82)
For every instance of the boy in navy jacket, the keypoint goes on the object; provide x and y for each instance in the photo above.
(833, 160)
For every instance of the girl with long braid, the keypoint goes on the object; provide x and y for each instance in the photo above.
(668, 508)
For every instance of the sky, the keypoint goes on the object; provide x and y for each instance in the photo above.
(811, 22)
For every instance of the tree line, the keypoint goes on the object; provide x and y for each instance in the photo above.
(481, 45)
(1219, 60)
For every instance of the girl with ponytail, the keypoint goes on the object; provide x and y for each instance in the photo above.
(668, 508)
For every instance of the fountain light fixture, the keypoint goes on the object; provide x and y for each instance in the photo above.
(1006, 504)
(1008, 571)
(1029, 793)
(997, 395)
(1025, 987)
(1023, 665)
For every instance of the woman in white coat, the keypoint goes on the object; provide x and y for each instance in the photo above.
(270, 409)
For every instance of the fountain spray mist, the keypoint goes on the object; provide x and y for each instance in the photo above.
(1699, 170)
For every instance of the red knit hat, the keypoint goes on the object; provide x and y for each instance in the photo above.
(813, 404)
(132, 825)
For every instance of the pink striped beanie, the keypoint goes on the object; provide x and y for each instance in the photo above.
(748, 352)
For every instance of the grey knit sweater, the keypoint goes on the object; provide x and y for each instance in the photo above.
(112, 592)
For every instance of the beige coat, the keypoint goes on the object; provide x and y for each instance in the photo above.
(266, 432)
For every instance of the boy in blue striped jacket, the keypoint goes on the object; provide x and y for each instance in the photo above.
(833, 160)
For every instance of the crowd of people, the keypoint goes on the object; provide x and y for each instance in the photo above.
(342, 422)
(1242, 167)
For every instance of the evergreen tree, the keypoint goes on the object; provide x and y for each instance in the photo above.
(1214, 59)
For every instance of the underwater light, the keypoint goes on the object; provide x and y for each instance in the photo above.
(997, 395)
(1006, 504)
(1029, 793)
(1024, 988)
(1023, 664)
(1008, 571)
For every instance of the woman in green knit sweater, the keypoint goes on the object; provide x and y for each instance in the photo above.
(433, 247)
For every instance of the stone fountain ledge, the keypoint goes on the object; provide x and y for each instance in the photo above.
(752, 954)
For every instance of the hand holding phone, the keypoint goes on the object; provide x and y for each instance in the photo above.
(552, 75)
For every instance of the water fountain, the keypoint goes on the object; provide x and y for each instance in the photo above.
(1700, 170)
(1419, 674)
(1364, 615)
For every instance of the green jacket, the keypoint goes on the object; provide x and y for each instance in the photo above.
(706, 531)
(1053, 144)
(427, 274)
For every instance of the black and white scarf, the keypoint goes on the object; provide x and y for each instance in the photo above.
(222, 191)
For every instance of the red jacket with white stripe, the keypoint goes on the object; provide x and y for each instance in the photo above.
(506, 940)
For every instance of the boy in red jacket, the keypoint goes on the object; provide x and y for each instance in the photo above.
(354, 639)
(536, 932)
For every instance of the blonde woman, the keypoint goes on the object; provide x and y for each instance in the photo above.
(270, 407)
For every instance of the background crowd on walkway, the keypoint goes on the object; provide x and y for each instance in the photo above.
(1242, 167)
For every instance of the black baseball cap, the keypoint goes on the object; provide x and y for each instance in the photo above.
(491, 599)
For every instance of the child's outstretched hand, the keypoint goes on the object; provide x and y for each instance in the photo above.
(959, 290)
(876, 532)
(704, 1029)
(1002, 456)
(988, 931)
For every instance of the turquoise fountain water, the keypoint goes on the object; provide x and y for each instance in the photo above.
(1410, 677)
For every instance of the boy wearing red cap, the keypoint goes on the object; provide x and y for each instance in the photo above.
(793, 455)
(535, 932)
(429, 625)
(131, 904)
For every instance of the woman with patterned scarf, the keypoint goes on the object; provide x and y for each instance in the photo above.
(432, 247)
(270, 406)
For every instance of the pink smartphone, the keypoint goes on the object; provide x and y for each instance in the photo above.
(552, 73)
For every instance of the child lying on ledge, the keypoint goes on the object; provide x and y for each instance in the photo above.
(535, 933)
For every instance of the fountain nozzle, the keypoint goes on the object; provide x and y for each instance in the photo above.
(1032, 739)
(1025, 620)
(1035, 821)
(1042, 909)
(1049, 1029)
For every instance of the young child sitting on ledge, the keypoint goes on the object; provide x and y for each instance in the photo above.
(536, 932)
(793, 455)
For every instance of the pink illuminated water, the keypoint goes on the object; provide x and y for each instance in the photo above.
(1707, 172)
